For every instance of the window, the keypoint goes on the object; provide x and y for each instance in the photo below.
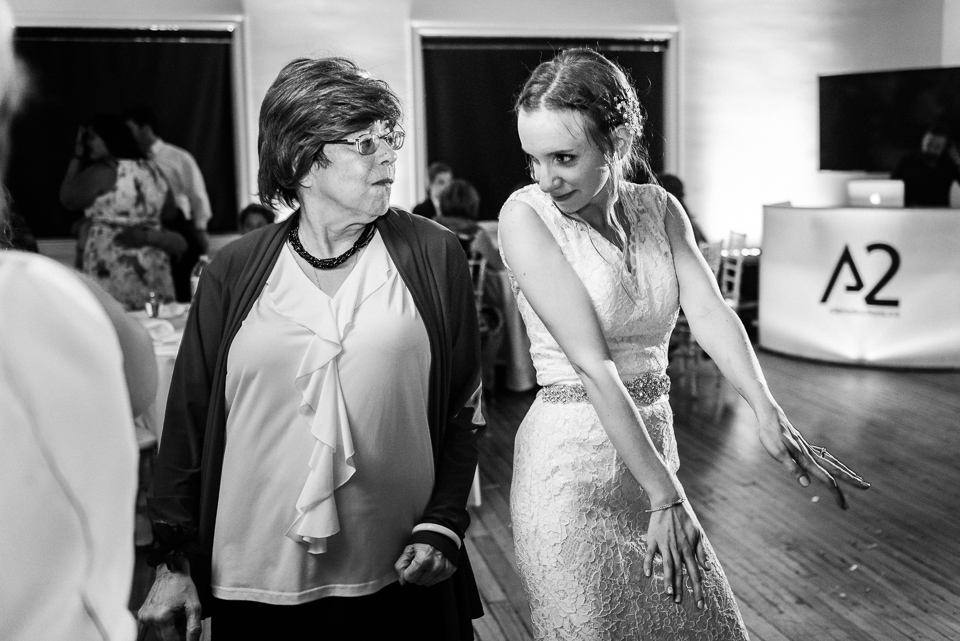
(185, 75)
(470, 85)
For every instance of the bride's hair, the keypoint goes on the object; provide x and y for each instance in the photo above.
(584, 81)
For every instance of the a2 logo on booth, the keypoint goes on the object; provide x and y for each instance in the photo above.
(872, 297)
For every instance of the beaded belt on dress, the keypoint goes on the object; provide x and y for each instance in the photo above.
(645, 389)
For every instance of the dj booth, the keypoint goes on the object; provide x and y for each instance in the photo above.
(872, 286)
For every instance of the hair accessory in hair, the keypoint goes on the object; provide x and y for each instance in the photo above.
(625, 110)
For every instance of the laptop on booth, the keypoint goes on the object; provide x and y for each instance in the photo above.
(875, 193)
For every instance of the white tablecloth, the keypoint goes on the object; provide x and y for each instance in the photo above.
(166, 332)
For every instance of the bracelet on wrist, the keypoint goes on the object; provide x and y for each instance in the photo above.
(667, 506)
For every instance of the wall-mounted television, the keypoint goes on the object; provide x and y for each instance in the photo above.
(869, 120)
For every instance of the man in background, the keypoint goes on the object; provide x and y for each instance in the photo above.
(439, 175)
(189, 191)
(929, 173)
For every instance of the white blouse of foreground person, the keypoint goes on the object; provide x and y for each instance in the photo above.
(68, 459)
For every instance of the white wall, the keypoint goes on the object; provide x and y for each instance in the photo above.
(543, 14)
(371, 32)
(951, 33)
(750, 103)
(81, 11)
(377, 35)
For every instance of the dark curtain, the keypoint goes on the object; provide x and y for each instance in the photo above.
(471, 84)
(185, 76)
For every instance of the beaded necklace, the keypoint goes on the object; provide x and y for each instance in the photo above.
(328, 263)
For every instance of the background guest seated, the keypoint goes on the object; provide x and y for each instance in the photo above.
(459, 205)
(254, 216)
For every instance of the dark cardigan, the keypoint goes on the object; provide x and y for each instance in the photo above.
(182, 500)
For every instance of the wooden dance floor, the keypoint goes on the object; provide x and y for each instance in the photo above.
(802, 569)
(887, 569)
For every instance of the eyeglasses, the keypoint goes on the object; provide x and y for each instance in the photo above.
(368, 143)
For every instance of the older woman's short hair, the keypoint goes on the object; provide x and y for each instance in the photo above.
(460, 200)
(312, 101)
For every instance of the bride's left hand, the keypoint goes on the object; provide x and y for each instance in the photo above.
(675, 534)
(803, 460)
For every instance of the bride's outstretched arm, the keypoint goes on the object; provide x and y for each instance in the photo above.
(720, 333)
(558, 297)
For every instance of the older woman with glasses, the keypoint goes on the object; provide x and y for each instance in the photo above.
(321, 434)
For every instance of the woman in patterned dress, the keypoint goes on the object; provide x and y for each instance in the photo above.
(125, 198)
(607, 545)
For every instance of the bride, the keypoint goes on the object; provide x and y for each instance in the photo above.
(607, 544)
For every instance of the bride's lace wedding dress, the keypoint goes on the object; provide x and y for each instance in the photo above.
(578, 514)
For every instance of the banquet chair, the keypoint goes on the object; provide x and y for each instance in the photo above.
(713, 254)
(478, 274)
(685, 351)
(731, 274)
(488, 299)
(489, 325)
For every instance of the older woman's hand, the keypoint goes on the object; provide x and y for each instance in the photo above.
(172, 607)
(423, 564)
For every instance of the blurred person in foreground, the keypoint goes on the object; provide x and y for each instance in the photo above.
(74, 369)
(320, 438)
(439, 176)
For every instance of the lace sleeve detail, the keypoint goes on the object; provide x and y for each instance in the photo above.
(652, 198)
(538, 201)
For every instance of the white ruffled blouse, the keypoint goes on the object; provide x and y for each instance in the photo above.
(328, 462)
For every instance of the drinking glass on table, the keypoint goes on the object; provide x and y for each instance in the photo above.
(153, 304)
